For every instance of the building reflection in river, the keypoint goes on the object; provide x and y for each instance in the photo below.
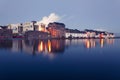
(35, 47)
(51, 47)
(92, 43)
(6, 44)
(101, 43)
(41, 46)
(110, 41)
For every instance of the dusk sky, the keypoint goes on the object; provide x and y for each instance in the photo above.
(76, 14)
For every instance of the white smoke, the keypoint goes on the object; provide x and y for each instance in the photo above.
(48, 19)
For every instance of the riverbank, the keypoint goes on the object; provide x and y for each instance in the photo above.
(49, 38)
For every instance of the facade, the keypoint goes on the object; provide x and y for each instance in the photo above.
(111, 35)
(36, 35)
(29, 26)
(16, 28)
(22, 28)
(90, 33)
(70, 33)
(98, 34)
(41, 27)
(57, 30)
(5, 33)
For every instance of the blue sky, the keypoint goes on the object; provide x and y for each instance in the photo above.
(79, 14)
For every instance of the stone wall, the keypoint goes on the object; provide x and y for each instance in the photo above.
(36, 35)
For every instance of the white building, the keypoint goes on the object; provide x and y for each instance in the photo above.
(22, 28)
(67, 34)
(76, 35)
(28, 26)
(41, 27)
(14, 27)
(83, 35)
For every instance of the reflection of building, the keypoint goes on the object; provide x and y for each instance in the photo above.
(17, 45)
(57, 46)
(110, 41)
(90, 43)
(41, 46)
(6, 44)
(38, 46)
(30, 46)
(57, 30)
(53, 46)
(101, 43)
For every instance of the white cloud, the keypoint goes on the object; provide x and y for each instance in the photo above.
(100, 29)
(51, 18)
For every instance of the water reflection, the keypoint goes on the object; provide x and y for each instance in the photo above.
(41, 46)
(90, 43)
(110, 41)
(101, 43)
(6, 44)
(51, 47)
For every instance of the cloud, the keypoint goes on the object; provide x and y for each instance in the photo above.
(48, 19)
(100, 29)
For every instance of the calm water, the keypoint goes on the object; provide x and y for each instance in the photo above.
(84, 59)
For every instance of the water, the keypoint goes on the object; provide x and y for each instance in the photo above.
(82, 59)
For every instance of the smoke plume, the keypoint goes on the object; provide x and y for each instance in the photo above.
(48, 19)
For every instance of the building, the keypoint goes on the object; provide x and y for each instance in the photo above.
(21, 28)
(41, 27)
(5, 33)
(29, 26)
(16, 28)
(98, 34)
(71, 33)
(36, 35)
(56, 30)
(111, 35)
(90, 33)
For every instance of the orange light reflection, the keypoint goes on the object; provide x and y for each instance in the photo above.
(87, 44)
(40, 47)
(49, 46)
(101, 42)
